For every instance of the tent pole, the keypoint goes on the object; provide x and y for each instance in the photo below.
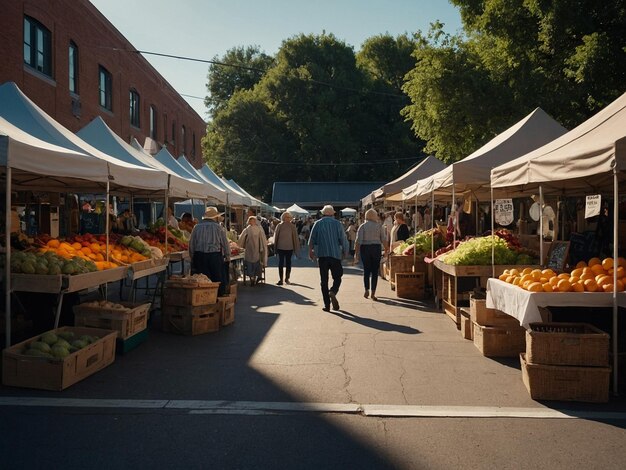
(432, 223)
(615, 256)
(7, 262)
(540, 225)
(493, 234)
(107, 226)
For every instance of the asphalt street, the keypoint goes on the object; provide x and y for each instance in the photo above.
(387, 384)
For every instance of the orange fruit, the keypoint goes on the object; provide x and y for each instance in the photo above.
(578, 287)
(573, 279)
(535, 287)
(576, 272)
(607, 287)
(590, 285)
(564, 285)
(621, 262)
(536, 274)
(607, 263)
(510, 279)
(514, 272)
(527, 277)
(543, 280)
(554, 281)
(563, 276)
(586, 276)
(581, 264)
(503, 276)
(619, 287)
(548, 273)
(621, 272)
(516, 281)
(593, 261)
(598, 269)
(527, 271)
(547, 287)
(53, 243)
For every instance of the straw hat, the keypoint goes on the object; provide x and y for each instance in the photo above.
(211, 213)
(328, 210)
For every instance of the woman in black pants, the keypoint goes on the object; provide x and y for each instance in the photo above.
(370, 242)
(286, 243)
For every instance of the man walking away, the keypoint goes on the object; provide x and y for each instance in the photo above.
(328, 243)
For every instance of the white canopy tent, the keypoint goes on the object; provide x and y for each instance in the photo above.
(98, 134)
(392, 191)
(473, 172)
(296, 210)
(588, 160)
(348, 212)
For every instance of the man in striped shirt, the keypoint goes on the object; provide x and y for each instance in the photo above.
(209, 249)
(328, 243)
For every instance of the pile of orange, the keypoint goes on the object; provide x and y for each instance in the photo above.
(593, 276)
(95, 251)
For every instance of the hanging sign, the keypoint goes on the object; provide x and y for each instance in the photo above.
(503, 211)
(592, 207)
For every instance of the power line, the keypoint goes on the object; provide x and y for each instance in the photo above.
(377, 162)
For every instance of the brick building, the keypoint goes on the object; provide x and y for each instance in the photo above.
(74, 64)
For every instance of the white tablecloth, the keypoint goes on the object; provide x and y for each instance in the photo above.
(523, 305)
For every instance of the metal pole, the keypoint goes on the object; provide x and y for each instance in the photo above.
(540, 225)
(615, 256)
(493, 234)
(7, 263)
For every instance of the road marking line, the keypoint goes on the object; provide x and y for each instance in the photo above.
(273, 408)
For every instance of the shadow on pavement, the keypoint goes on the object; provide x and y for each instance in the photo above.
(375, 324)
(423, 306)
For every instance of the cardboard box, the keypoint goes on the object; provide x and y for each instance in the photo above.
(566, 383)
(567, 344)
(125, 322)
(467, 328)
(19, 370)
(495, 341)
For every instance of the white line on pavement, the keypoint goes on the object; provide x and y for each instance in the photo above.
(260, 408)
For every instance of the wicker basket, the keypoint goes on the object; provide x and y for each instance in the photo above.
(567, 344)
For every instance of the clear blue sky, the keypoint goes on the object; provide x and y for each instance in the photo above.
(204, 29)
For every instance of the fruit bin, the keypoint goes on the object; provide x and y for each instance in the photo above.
(19, 370)
(190, 320)
(181, 294)
(125, 322)
(410, 285)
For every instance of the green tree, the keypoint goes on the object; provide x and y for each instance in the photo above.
(240, 69)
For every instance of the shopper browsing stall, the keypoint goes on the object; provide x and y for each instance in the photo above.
(286, 241)
(254, 242)
(371, 240)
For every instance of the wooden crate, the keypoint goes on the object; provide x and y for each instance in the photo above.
(399, 264)
(410, 285)
(19, 370)
(566, 383)
(125, 322)
(226, 308)
(232, 290)
(500, 341)
(467, 329)
(191, 324)
(184, 296)
(489, 316)
(571, 344)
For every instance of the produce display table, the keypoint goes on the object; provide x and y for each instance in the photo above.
(454, 284)
(62, 284)
(145, 269)
(525, 305)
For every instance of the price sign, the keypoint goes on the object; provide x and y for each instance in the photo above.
(592, 206)
(503, 211)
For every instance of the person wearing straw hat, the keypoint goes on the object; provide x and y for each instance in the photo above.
(209, 249)
(287, 242)
(328, 243)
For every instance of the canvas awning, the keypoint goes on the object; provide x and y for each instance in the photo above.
(295, 209)
(429, 166)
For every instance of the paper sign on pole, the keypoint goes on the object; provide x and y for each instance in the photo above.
(503, 211)
(592, 206)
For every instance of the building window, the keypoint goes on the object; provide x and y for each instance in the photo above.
(193, 144)
(165, 129)
(106, 89)
(174, 134)
(183, 138)
(37, 46)
(153, 122)
(134, 109)
(73, 65)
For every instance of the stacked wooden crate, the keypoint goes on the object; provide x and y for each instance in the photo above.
(190, 307)
(566, 361)
(495, 333)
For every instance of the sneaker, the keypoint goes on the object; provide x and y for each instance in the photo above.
(326, 309)
(280, 283)
(374, 298)
(287, 281)
(333, 300)
(367, 294)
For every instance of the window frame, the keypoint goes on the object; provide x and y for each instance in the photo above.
(134, 108)
(107, 91)
(183, 137)
(37, 33)
(73, 68)
(154, 125)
